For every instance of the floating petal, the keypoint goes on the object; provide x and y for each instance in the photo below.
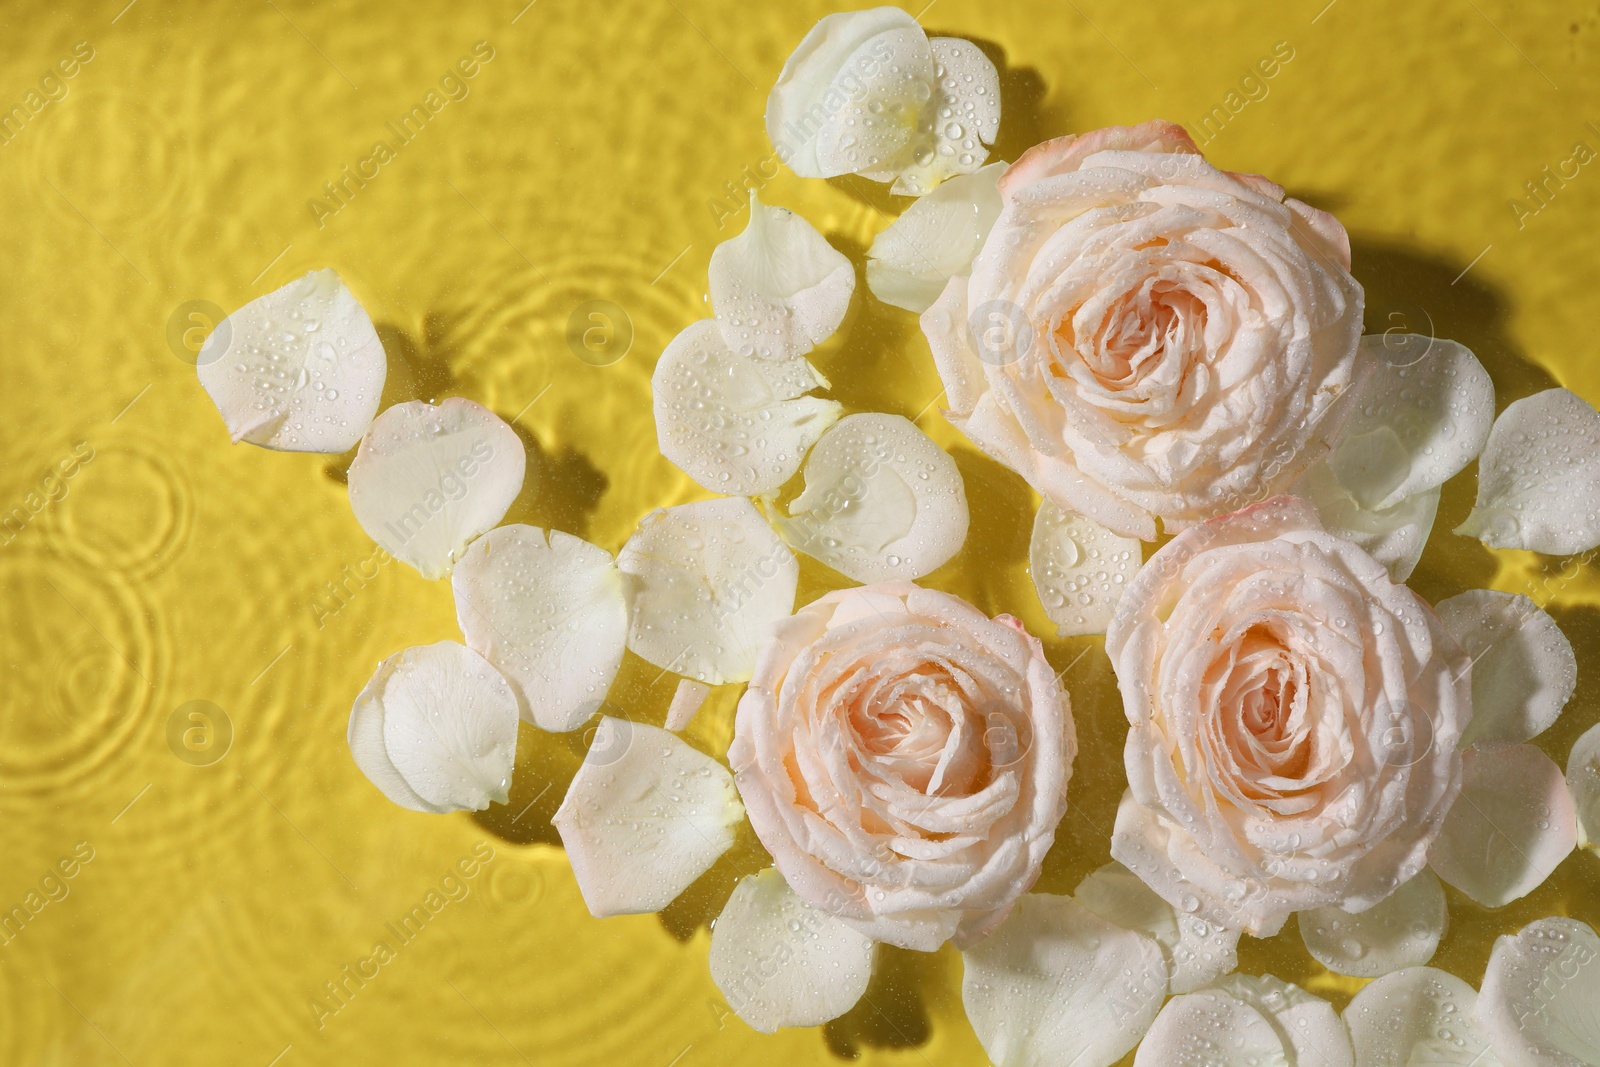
(1079, 569)
(1394, 536)
(1197, 952)
(964, 122)
(1402, 930)
(735, 424)
(427, 480)
(706, 581)
(1540, 1001)
(1523, 667)
(779, 289)
(1539, 477)
(1512, 825)
(1583, 780)
(1056, 983)
(911, 261)
(1418, 1016)
(780, 962)
(1247, 1020)
(436, 729)
(882, 502)
(645, 816)
(687, 700)
(547, 610)
(298, 370)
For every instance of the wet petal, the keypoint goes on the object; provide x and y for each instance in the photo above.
(1079, 569)
(881, 501)
(1540, 1001)
(1583, 780)
(1539, 477)
(436, 729)
(1197, 952)
(1209, 1028)
(911, 261)
(779, 289)
(1523, 667)
(964, 122)
(427, 480)
(1420, 1016)
(1055, 983)
(547, 610)
(1402, 930)
(1512, 825)
(735, 424)
(706, 582)
(645, 816)
(687, 701)
(298, 370)
(1394, 536)
(780, 962)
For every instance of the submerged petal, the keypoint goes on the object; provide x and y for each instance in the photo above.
(298, 370)
(1402, 930)
(911, 262)
(780, 962)
(436, 729)
(427, 480)
(547, 609)
(735, 424)
(1394, 536)
(1583, 780)
(687, 700)
(1540, 1001)
(706, 582)
(779, 289)
(1539, 477)
(1523, 667)
(881, 502)
(1079, 569)
(645, 816)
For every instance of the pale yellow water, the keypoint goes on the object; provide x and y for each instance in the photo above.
(590, 160)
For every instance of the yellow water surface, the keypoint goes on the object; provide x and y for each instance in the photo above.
(186, 622)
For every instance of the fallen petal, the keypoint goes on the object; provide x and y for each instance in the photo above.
(1197, 952)
(1402, 930)
(1539, 477)
(779, 289)
(706, 581)
(427, 480)
(882, 501)
(547, 610)
(1394, 536)
(1420, 1016)
(687, 700)
(964, 122)
(780, 962)
(1209, 1028)
(298, 370)
(1583, 780)
(735, 424)
(436, 729)
(1512, 825)
(1539, 1005)
(1055, 983)
(1079, 569)
(1523, 667)
(645, 816)
(911, 261)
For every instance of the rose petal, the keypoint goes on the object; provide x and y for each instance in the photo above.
(1402, 930)
(735, 424)
(547, 610)
(1583, 780)
(882, 501)
(874, 126)
(436, 729)
(645, 816)
(1079, 569)
(1419, 1015)
(1055, 983)
(1523, 667)
(911, 261)
(779, 289)
(1209, 1028)
(706, 582)
(1512, 825)
(800, 100)
(427, 480)
(1423, 415)
(298, 370)
(1539, 477)
(780, 962)
(1197, 952)
(1540, 1001)
(1394, 536)
(965, 121)
(687, 700)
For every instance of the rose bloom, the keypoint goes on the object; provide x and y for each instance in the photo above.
(905, 760)
(1295, 714)
(1143, 335)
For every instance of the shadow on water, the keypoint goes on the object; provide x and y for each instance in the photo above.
(893, 1012)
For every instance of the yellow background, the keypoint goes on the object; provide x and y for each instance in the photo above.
(590, 161)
